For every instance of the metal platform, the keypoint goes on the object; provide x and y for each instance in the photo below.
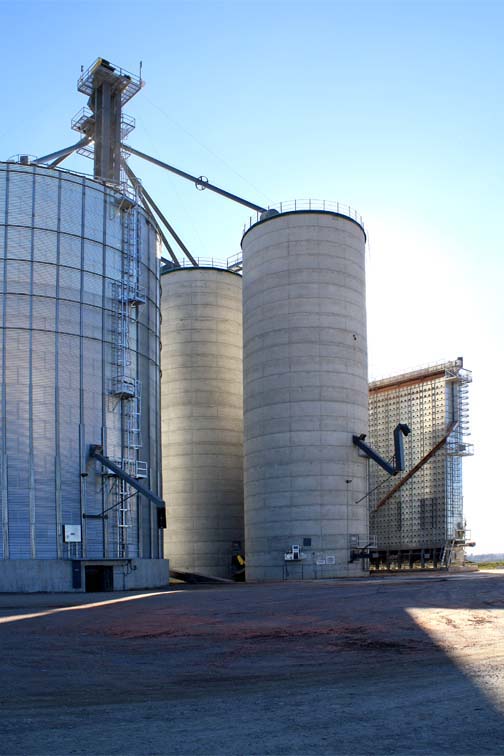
(103, 71)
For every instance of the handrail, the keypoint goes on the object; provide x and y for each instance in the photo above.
(202, 262)
(85, 80)
(234, 260)
(296, 205)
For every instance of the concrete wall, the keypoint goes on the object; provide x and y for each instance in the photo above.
(55, 575)
(305, 394)
(202, 418)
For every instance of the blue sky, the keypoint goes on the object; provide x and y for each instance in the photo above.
(393, 107)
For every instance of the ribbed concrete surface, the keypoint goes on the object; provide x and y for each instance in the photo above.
(202, 418)
(305, 393)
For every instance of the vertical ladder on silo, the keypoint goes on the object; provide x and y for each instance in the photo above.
(128, 296)
(123, 518)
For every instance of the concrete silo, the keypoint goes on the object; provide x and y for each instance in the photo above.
(305, 394)
(202, 418)
(79, 366)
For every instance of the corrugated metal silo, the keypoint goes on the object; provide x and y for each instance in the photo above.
(305, 394)
(79, 365)
(202, 417)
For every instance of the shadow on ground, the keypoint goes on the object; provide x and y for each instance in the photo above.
(373, 666)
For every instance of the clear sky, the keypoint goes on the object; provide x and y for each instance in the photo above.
(393, 107)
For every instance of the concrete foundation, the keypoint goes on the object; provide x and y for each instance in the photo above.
(64, 575)
(305, 395)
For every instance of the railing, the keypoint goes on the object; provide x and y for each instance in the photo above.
(203, 262)
(80, 118)
(21, 159)
(311, 204)
(107, 70)
(235, 261)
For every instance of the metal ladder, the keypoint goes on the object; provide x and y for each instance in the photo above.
(446, 554)
(127, 297)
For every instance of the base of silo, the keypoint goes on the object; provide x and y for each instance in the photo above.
(302, 570)
(82, 575)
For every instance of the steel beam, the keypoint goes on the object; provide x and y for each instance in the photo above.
(106, 105)
(95, 451)
(166, 243)
(169, 227)
(62, 154)
(197, 180)
(138, 186)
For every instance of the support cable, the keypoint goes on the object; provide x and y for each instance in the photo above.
(174, 122)
(199, 181)
(121, 501)
(373, 489)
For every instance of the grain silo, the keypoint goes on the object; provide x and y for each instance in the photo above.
(202, 418)
(305, 393)
(80, 476)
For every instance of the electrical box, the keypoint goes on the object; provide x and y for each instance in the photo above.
(72, 533)
(295, 554)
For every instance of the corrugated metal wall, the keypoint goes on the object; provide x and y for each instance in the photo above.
(60, 252)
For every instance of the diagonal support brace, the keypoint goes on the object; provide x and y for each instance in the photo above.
(96, 451)
(60, 155)
(199, 182)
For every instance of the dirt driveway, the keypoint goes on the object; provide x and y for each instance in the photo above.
(394, 665)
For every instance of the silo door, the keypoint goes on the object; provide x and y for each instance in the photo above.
(99, 578)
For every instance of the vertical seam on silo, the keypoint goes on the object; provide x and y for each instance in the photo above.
(151, 359)
(5, 490)
(57, 470)
(106, 347)
(158, 534)
(82, 427)
(159, 449)
(31, 472)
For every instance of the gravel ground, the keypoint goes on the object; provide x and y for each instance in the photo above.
(392, 665)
